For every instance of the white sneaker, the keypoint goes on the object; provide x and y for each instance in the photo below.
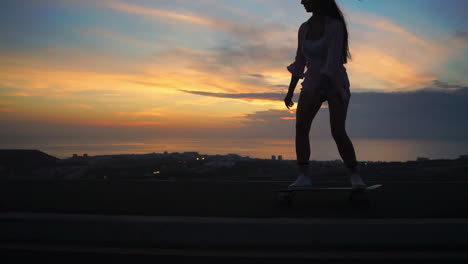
(357, 182)
(301, 181)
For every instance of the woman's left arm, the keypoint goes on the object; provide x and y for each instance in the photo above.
(335, 41)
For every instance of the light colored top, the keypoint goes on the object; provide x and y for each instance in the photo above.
(315, 52)
(328, 60)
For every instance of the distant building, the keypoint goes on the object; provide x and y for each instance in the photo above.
(463, 157)
(273, 157)
(280, 157)
(233, 156)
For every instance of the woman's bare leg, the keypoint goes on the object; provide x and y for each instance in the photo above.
(308, 106)
(338, 111)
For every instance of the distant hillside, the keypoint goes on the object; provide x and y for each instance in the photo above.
(16, 158)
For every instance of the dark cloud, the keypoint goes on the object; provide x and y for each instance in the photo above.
(256, 75)
(235, 62)
(260, 55)
(241, 53)
(245, 96)
(423, 114)
(14, 132)
(446, 85)
(281, 86)
(436, 112)
(462, 34)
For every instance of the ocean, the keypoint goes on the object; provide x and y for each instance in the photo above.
(321, 149)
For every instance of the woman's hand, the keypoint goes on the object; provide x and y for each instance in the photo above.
(288, 100)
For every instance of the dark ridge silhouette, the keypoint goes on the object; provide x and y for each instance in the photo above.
(25, 158)
(23, 162)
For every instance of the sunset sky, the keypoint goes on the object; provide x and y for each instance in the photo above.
(149, 68)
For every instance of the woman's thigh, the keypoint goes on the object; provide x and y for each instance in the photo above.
(307, 108)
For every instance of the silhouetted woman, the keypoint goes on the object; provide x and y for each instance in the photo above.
(323, 48)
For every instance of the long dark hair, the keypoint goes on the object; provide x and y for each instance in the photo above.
(331, 9)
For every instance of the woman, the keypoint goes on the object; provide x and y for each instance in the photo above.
(323, 48)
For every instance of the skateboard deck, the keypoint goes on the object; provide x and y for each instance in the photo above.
(286, 195)
(317, 189)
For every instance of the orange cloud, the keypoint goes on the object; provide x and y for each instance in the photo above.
(374, 63)
(149, 112)
(389, 57)
(397, 58)
(83, 106)
(116, 99)
(186, 17)
(122, 90)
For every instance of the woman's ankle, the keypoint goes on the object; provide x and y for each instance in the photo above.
(354, 170)
(303, 169)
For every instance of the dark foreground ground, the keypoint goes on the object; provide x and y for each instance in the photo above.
(414, 221)
(256, 199)
(25, 256)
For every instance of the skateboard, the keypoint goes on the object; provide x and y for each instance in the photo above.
(286, 195)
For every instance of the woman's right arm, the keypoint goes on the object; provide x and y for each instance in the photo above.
(293, 84)
(297, 67)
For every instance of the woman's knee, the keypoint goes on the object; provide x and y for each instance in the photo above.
(303, 123)
(302, 120)
(339, 134)
(302, 131)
